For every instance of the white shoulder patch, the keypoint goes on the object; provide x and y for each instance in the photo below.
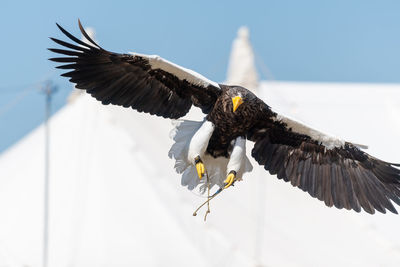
(157, 62)
(326, 140)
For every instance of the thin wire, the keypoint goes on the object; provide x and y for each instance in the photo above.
(15, 101)
(3, 89)
(264, 69)
(22, 93)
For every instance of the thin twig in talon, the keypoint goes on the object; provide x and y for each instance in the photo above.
(205, 215)
(215, 194)
(208, 197)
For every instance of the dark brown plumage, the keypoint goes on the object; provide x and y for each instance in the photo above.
(342, 176)
(129, 81)
(228, 124)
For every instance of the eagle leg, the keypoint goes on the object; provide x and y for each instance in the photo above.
(236, 161)
(198, 145)
(230, 179)
(200, 168)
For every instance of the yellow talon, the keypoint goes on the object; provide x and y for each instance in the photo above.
(200, 169)
(230, 179)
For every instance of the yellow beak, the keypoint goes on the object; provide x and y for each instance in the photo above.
(237, 101)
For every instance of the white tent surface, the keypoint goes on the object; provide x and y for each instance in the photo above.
(115, 199)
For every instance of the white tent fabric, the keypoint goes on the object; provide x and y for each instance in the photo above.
(241, 68)
(116, 201)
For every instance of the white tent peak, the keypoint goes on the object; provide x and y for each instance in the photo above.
(243, 32)
(241, 69)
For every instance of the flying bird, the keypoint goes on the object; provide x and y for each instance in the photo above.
(330, 169)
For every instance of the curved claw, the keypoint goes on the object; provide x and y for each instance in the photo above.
(200, 169)
(229, 179)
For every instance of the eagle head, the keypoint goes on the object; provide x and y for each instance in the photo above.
(238, 95)
(237, 101)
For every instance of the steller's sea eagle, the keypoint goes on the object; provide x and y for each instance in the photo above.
(330, 169)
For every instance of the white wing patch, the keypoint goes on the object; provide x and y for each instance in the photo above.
(157, 62)
(329, 141)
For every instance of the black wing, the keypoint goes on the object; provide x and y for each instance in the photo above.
(146, 83)
(332, 170)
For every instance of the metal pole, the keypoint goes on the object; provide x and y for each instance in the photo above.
(262, 192)
(48, 91)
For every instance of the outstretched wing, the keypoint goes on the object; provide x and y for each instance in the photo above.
(146, 83)
(332, 170)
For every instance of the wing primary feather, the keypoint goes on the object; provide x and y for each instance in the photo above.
(327, 185)
(380, 191)
(372, 193)
(390, 192)
(282, 171)
(290, 167)
(320, 182)
(313, 180)
(396, 192)
(269, 151)
(71, 46)
(335, 187)
(299, 170)
(67, 66)
(63, 59)
(73, 38)
(277, 160)
(86, 35)
(360, 190)
(257, 150)
(281, 174)
(304, 179)
(341, 187)
(349, 187)
(264, 144)
(65, 52)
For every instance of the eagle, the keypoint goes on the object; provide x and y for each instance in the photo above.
(333, 170)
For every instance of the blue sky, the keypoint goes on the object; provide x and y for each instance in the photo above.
(308, 40)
